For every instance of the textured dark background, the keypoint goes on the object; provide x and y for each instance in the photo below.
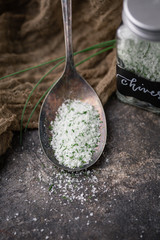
(124, 202)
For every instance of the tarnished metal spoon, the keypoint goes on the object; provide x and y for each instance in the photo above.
(70, 86)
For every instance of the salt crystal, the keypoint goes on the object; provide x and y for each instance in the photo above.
(75, 133)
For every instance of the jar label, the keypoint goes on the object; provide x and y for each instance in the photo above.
(129, 84)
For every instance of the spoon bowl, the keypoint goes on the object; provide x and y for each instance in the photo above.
(69, 86)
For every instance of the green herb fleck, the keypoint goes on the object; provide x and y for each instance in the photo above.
(76, 144)
(50, 139)
(50, 127)
(50, 187)
(64, 197)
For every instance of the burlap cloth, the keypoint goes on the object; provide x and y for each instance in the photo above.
(31, 32)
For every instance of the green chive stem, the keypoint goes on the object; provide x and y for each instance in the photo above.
(21, 124)
(100, 45)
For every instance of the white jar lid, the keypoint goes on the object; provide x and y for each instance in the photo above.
(143, 18)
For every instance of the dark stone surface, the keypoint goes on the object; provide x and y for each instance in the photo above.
(119, 198)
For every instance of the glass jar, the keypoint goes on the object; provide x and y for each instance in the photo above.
(138, 54)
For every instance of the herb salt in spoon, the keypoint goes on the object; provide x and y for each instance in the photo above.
(70, 89)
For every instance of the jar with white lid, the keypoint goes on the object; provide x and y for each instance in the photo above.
(138, 54)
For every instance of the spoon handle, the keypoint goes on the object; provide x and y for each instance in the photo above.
(67, 22)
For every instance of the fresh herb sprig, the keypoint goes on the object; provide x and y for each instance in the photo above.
(99, 45)
(42, 97)
(109, 44)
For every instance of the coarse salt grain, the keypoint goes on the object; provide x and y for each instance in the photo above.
(72, 187)
(75, 133)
